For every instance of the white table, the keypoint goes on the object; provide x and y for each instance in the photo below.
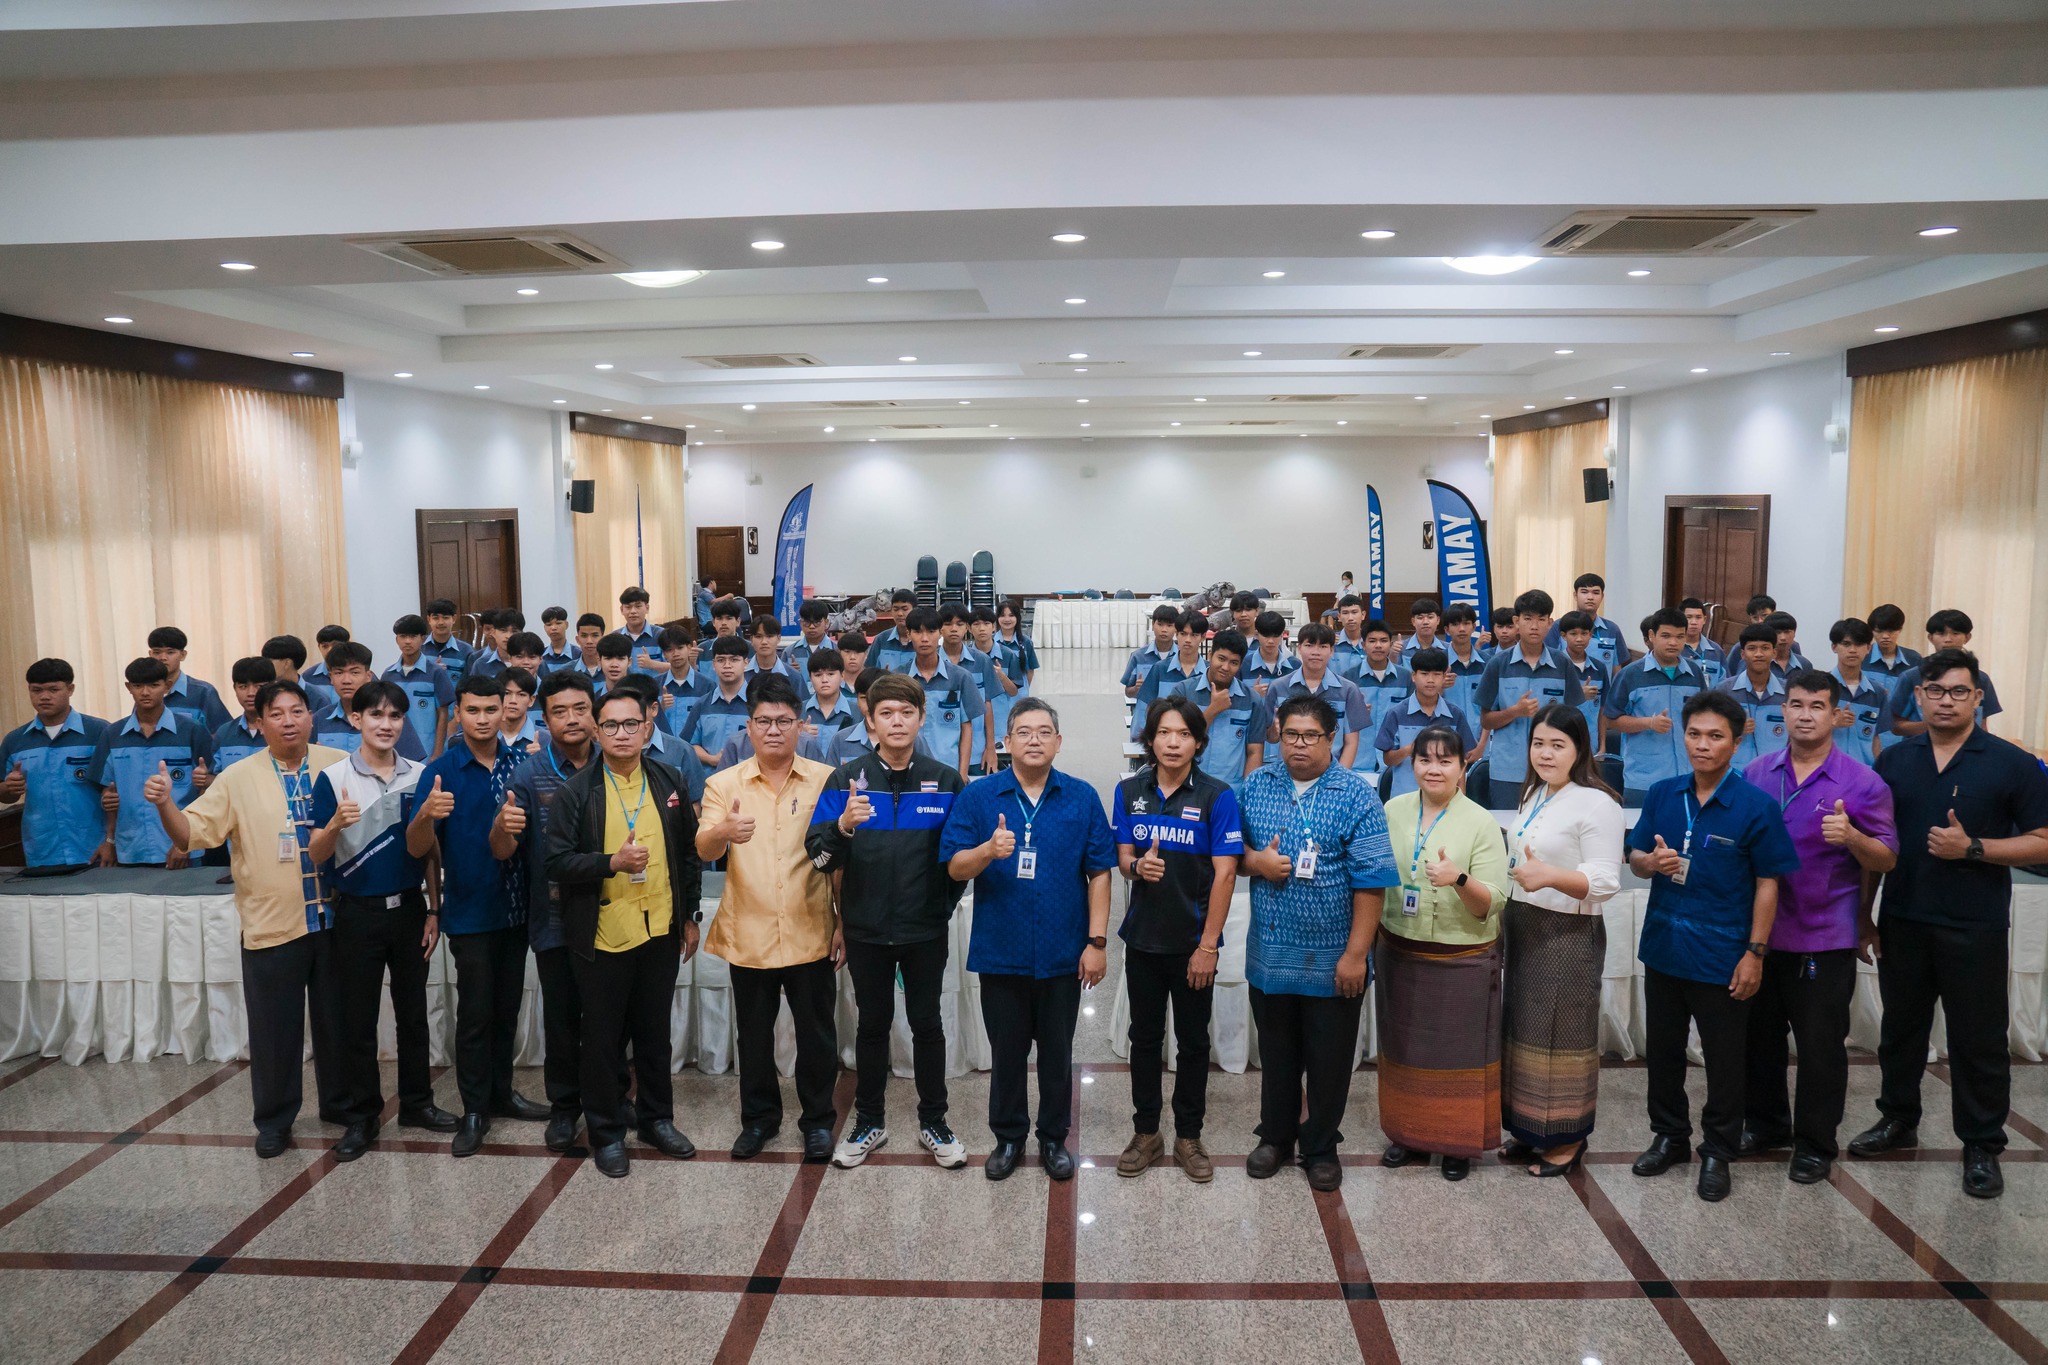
(1112, 624)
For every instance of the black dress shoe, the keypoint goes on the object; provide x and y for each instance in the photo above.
(355, 1141)
(1661, 1155)
(1057, 1160)
(272, 1144)
(1324, 1173)
(611, 1160)
(1396, 1155)
(561, 1133)
(521, 1108)
(1754, 1143)
(751, 1140)
(1886, 1135)
(433, 1118)
(1266, 1160)
(1457, 1167)
(1981, 1176)
(817, 1146)
(1002, 1160)
(664, 1137)
(1714, 1182)
(1808, 1168)
(469, 1135)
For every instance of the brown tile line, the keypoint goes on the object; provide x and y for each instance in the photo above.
(1354, 1278)
(1056, 1273)
(1810, 1289)
(666, 1281)
(1683, 1323)
(22, 1073)
(92, 1260)
(297, 1268)
(68, 1135)
(912, 1289)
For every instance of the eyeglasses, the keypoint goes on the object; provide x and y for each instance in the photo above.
(620, 727)
(1935, 692)
(774, 724)
(1303, 738)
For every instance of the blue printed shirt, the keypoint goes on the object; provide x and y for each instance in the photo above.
(1299, 927)
(61, 821)
(1035, 927)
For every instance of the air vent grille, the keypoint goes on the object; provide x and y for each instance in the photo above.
(1676, 232)
(755, 362)
(499, 253)
(1257, 422)
(1312, 398)
(865, 403)
(917, 426)
(1405, 352)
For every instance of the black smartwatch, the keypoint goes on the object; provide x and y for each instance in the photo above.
(1098, 941)
(1975, 852)
(1461, 879)
(1760, 949)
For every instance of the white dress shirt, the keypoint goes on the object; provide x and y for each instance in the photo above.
(1580, 828)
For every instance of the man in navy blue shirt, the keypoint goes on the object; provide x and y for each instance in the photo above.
(464, 798)
(47, 765)
(441, 646)
(1712, 847)
(1037, 847)
(188, 696)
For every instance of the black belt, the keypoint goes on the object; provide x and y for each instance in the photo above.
(382, 902)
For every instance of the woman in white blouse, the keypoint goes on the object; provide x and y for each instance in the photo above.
(1564, 850)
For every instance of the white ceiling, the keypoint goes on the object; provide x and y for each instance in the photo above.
(131, 178)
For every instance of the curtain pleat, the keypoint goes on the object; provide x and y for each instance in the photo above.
(1947, 470)
(1545, 533)
(134, 501)
(638, 520)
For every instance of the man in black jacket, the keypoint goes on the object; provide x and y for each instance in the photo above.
(876, 829)
(622, 849)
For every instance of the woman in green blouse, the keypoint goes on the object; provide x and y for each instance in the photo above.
(1439, 960)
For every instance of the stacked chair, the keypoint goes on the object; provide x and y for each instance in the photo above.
(927, 581)
(981, 581)
(955, 589)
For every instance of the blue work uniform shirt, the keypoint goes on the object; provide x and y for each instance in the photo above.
(1645, 689)
(683, 759)
(453, 656)
(1509, 677)
(1258, 669)
(1766, 711)
(431, 689)
(1867, 702)
(1608, 644)
(1354, 712)
(1347, 658)
(61, 821)
(485, 663)
(1162, 680)
(1592, 690)
(476, 895)
(1036, 927)
(1401, 724)
(1410, 647)
(126, 758)
(553, 659)
(535, 783)
(1223, 757)
(235, 741)
(197, 701)
(1699, 931)
(1299, 927)
(1463, 692)
(891, 650)
(716, 719)
(1384, 690)
(680, 698)
(1709, 658)
(1142, 661)
(951, 699)
(844, 712)
(331, 728)
(1888, 671)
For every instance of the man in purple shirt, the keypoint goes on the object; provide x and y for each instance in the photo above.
(1839, 814)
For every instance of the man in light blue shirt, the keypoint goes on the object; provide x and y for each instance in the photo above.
(47, 765)
(1521, 679)
(1759, 689)
(1399, 725)
(1228, 704)
(1644, 703)
(192, 699)
(1165, 622)
(1859, 714)
(1609, 646)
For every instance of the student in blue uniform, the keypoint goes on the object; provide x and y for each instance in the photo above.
(188, 696)
(1576, 630)
(959, 652)
(287, 656)
(1467, 659)
(1759, 689)
(1165, 623)
(523, 649)
(1228, 705)
(685, 686)
(1503, 635)
(615, 663)
(243, 735)
(952, 699)
(1429, 673)
(1315, 678)
(1645, 701)
(812, 620)
(1425, 621)
(1786, 658)
(560, 653)
(1004, 679)
(764, 639)
(441, 645)
(1888, 658)
(519, 729)
(1609, 645)
(1385, 687)
(891, 647)
(1521, 679)
(431, 687)
(1946, 629)
(1020, 655)
(723, 712)
(590, 630)
(489, 659)
(324, 639)
(1859, 715)
(829, 706)
(1347, 659)
(1700, 650)
(1762, 608)
(152, 739)
(1244, 614)
(647, 657)
(349, 667)
(1165, 678)
(1269, 660)
(853, 649)
(47, 765)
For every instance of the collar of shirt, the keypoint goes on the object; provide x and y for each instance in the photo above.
(167, 721)
(1517, 659)
(406, 670)
(1773, 687)
(1864, 683)
(401, 765)
(73, 721)
(943, 672)
(183, 686)
(841, 705)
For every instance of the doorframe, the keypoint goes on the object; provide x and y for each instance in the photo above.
(1760, 503)
(423, 515)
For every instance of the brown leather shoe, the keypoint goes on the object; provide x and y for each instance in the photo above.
(1190, 1157)
(1142, 1150)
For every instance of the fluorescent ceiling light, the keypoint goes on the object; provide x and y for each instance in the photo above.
(991, 426)
(1201, 400)
(480, 386)
(1077, 300)
(1376, 234)
(236, 265)
(1068, 238)
(967, 402)
(877, 279)
(401, 374)
(1080, 400)
(1080, 369)
(1699, 369)
(906, 359)
(1638, 273)
(561, 400)
(1781, 353)
(302, 355)
(766, 244)
(1254, 353)
(1621, 386)
(1566, 351)
(748, 407)
(1489, 265)
(1528, 407)
(1938, 232)
(647, 417)
(118, 320)
(657, 279)
(831, 428)
(529, 293)
(1077, 355)
(606, 365)
(1885, 329)
(1571, 398)
(1087, 424)
(1485, 416)
(1276, 274)
(1422, 398)
(1173, 424)
(1343, 422)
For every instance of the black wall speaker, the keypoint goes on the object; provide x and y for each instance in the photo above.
(1596, 484)
(583, 495)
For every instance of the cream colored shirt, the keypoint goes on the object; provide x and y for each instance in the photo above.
(246, 806)
(776, 910)
(1580, 829)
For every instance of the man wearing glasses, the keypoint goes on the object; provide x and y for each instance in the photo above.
(1970, 808)
(1315, 839)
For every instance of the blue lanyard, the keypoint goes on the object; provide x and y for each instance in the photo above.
(297, 796)
(1422, 837)
(1534, 811)
(639, 804)
(1692, 815)
(1030, 811)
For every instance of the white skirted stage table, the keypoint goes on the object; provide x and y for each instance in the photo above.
(1076, 623)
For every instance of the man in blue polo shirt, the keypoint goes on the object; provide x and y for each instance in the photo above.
(441, 646)
(1888, 658)
(1165, 623)
(1759, 689)
(1037, 846)
(891, 647)
(1430, 676)
(1609, 646)
(953, 702)
(186, 695)
(1167, 677)
(723, 713)
(47, 765)
(152, 739)
(1521, 679)
(1700, 650)
(1644, 702)
(561, 652)
(1228, 705)
(463, 797)
(1712, 848)
(430, 686)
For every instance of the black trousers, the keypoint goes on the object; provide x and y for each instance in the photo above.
(561, 1009)
(626, 998)
(1020, 1011)
(1151, 980)
(1671, 1004)
(490, 979)
(1307, 1043)
(281, 986)
(1816, 1010)
(757, 995)
(1965, 969)
(873, 967)
(371, 938)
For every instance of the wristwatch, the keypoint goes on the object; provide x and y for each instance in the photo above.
(1760, 949)
(1098, 941)
(1461, 879)
(1975, 852)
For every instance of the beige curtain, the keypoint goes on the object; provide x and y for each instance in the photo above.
(1545, 533)
(612, 542)
(1948, 467)
(134, 501)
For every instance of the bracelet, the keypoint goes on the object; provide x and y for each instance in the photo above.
(1203, 948)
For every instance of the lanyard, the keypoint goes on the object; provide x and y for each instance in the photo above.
(1307, 809)
(1422, 837)
(1785, 798)
(1692, 814)
(1534, 811)
(639, 804)
(297, 796)
(1030, 811)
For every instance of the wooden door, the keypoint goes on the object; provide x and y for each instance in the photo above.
(722, 558)
(470, 556)
(1718, 550)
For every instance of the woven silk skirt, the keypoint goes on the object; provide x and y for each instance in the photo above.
(1552, 1056)
(1439, 1030)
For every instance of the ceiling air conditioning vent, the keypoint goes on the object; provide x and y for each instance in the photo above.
(1405, 352)
(1313, 398)
(1256, 422)
(495, 253)
(1664, 232)
(917, 426)
(755, 362)
(865, 403)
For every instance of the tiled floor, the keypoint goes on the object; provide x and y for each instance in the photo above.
(136, 1223)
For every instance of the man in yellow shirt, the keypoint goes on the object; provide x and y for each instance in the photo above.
(263, 809)
(775, 923)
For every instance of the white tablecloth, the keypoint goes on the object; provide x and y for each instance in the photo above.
(1082, 624)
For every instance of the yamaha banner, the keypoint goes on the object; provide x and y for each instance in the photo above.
(1375, 556)
(789, 559)
(1463, 571)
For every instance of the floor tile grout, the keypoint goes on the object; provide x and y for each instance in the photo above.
(1684, 1324)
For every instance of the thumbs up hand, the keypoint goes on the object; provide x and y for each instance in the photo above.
(1950, 840)
(438, 803)
(1443, 872)
(1835, 826)
(14, 786)
(631, 857)
(157, 790)
(512, 816)
(202, 776)
(1663, 858)
(1529, 872)
(1269, 862)
(346, 813)
(1150, 866)
(738, 828)
(1002, 843)
(859, 810)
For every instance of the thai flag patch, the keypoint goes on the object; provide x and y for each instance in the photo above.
(1191, 812)
(927, 786)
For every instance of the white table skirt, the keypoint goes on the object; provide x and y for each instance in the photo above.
(133, 977)
(1126, 624)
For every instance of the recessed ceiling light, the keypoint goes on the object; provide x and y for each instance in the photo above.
(1699, 369)
(1528, 407)
(1077, 300)
(1621, 386)
(529, 293)
(1571, 398)
(1173, 424)
(1251, 353)
(1781, 353)
(1885, 329)
(658, 279)
(1201, 400)
(766, 244)
(991, 426)
(1938, 232)
(1485, 416)
(401, 374)
(1638, 274)
(1422, 398)
(1080, 369)
(1276, 274)
(479, 386)
(605, 365)
(906, 359)
(302, 355)
(873, 439)
(1077, 355)
(748, 407)
(1489, 265)
(1343, 421)
(967, 402)
(561, 400)
(877, 279)
(647, 417)
(1068, 238)
(1087, 424)
(1565, 351)
(1376, 234)
(236, 265)
(831, 428)
(118, 320)
(1080, 400)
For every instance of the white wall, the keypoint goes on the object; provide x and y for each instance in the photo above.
(1756, 433)
(423, 449)
(1158, 513)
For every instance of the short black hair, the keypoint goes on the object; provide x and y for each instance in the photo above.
(1194, 621)
(1947, 619)
(1589, 580)
(902, 595)
(478, 685)
(1166, 613)
(1948, 661)
(772, 689)
(852, 642)
(1813, 680)
(1534, 602)
(1721, 704)
(548, 614)
(957, 611)
(1758, 633)
(1244, 601)
(50, 671)
(825, 660)
(1350, 599)
(681, 635)
(1662, 617)
(638, 685)
(813, 610)
(1575, 620)
(521, 679)
(625, 694)
(267, 695)
(1431, 660)
(727, 647)
(1310, 705)
(1314, 633)
(1190, 715)
(254, 670)
(563, 680)
(293, 648)
(921, 618)
(146, 670)
(330, 634)
(1890, 616)
(1270, 623)
(1850, 630)
(1780, 620)
(729, 606)
(1502, 616)
(1231, 640)
(1459, 611)
(377, 692)
(982, 615)
(349, 652)
(490, 617)
(1425, 606)
(525, 644)
(1376, 627)
(1763, 601)
(412, 623)
(441, 606)
(614, 646)
(870, 676)
(590, 618)
(1691, 604)
(764, 625)
(634, 594)
(511, 618)
(167, 637)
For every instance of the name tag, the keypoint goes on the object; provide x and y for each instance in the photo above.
(1684, 868)
(1305, 863)
(1411, 900)
(639, 876)
(287, 846)
(1027, 864)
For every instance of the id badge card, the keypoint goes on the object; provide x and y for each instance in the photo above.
(638, 877)
(1305, 863)
(1411, 901)
(1027, 864)
(1684, 868)
(287, 846)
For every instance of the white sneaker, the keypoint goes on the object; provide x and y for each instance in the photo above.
(946, 1149)
(858, 1144)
